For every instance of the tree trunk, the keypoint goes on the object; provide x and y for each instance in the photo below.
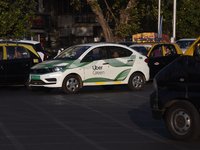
(124, 14)
(108, 35)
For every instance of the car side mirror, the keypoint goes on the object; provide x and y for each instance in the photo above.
(197, 52)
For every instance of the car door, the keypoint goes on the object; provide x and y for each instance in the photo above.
(2, 67)
(156, 61)
(18, 64)
(174, 54)
(97, 68)
(121, 62)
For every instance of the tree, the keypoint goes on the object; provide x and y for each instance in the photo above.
(107, 11)
(15, 16)
(187, 18)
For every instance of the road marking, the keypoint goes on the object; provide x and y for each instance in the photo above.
(9, 135)
(96, 145)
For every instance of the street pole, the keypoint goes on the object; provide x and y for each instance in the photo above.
(159, 7)
(174, 23)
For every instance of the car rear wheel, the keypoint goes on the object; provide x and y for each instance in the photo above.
(136, 81)
(71, 84)
(182, 121)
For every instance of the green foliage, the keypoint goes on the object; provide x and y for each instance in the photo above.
(143, 17)
(187, 18)
(15, 16)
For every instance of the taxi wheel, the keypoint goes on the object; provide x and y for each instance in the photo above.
(136, 81)
(182, 121)
(108, 87)
(71, 84)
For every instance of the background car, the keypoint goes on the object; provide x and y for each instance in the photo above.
(92, 64)
(127, 43)
(15, 63)
(185, 43)
(155, 51)
(35, 44)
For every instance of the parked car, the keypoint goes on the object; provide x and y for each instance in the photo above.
(92, 64)
(176, 94)
(185, 43)
(15, 63)
(35, 44)
(155, 51)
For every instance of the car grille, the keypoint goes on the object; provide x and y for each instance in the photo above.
(40, 71)
(37, 82)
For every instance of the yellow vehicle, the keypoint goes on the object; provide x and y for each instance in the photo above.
(15, 62)
(156, 53)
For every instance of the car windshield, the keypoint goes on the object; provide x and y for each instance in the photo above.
(185, 44)
(141, 49)
(73, 52)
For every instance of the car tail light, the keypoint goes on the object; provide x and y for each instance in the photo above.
(146, 60)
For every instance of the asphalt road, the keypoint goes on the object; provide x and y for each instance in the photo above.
(93, 119)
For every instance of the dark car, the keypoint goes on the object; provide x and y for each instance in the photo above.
(176, 95)
(155, 51)
(15, 63)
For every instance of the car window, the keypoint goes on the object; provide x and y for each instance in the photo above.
(73, 52)
(171, 48)
(119, 52)
(16, 52)
(97, 53)
(157, 51)
(141, 49)
(185, 44)
(1, 53)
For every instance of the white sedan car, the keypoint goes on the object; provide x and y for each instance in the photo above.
(92, 64)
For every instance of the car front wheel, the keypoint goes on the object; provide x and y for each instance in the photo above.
(71, 84)
(182, 121)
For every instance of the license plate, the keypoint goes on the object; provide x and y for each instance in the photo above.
(35, 77)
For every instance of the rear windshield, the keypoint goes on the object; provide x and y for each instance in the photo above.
(185, 44)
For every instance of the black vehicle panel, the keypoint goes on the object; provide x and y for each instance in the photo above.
(17, 70)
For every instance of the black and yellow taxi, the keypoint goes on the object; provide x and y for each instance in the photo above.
(176, 95)
(156, 53)
(15, 62)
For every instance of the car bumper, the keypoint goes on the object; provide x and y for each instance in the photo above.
(156, 113)
(52, 80)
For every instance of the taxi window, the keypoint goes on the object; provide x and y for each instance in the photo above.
(119, 52)
(16, 52)
(157, 51)
(171, 48)
(1, 53)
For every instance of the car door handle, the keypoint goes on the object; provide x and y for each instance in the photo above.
(129, 60)
(105, 63)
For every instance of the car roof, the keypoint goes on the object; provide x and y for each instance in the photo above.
(186, 39)
(101, 44)
(19, 41)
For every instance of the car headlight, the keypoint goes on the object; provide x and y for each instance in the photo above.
(56, 69)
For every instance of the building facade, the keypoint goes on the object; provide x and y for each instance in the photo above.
(61, 24)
